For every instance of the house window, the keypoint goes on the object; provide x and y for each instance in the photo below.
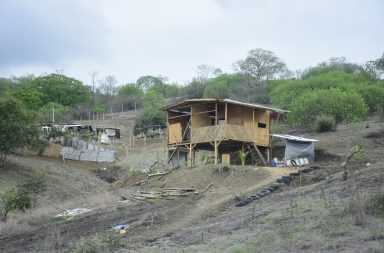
(261, 125)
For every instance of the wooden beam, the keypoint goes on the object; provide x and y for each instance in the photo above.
(203, 112)
(260, 154)
(173, 153)
(179, 116)
(186, 128)
(226, 113)
(216, 114)
(216, 152)
(190, 155)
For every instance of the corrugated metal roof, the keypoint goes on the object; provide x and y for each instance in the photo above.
(293, 138)
(189, 102)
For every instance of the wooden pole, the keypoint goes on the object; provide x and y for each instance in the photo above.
(190, 154)
(216, 152)
(226, 113)
(216, 118)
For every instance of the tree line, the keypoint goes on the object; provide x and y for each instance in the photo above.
(338, 89)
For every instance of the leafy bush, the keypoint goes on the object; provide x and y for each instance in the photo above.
(22, 197)
(342, 105)
(132, 170)
(243, 156)
(13, 200)
(206, 159)
(325, 124)
(376, 203)
(33, 186)
(151, 115)
(86, 246)
(285, 92)
(112, 239)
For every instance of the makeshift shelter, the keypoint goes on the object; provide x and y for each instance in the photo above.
(297, 147)
(220, 125)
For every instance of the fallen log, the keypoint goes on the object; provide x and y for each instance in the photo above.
(140, 182)
(206, 188)
(159, 174)
(132, 198)
(180, 189)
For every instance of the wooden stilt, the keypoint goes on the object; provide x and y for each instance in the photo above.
(216, 152)
(260, 155)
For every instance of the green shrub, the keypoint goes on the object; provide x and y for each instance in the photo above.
(86, 246)
(33, 186)
(325, 124)
(132, 170)
(206, 159)
(243, 156)
(13, 200)
(112, 239)
(344, 106)
(153, 169)
(376, 203)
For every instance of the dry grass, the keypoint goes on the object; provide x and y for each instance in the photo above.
(19, 222)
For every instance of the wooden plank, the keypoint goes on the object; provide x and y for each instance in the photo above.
(226, 159)
(260, 155)
(174, 133)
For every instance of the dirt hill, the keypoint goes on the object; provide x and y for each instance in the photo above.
(317, 212)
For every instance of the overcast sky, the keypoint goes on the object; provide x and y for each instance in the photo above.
(132, 38)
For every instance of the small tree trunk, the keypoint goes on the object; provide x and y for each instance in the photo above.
(2, 160)
(344, 165)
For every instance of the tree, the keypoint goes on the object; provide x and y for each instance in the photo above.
(109, 88)
(338, 64)
(206, 72)
(5, 85)
(93, 75)
(130, 95)
(151, 115)
(376, 67)
(146, 82)
(13, 200)
(54, 112)
(261, 64)
(31, 97)
(16, 127)
(195, 89)
(61, 89)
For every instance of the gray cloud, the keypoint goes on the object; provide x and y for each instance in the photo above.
(130, 38)
(49, 32)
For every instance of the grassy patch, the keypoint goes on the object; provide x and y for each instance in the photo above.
(331, 225)
(375, 204)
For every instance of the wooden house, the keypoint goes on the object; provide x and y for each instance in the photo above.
(220, 125)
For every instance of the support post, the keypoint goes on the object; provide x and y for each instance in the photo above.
(190, 162)
(260, 154)
(216, 152)
(226, 113)
(216, 118)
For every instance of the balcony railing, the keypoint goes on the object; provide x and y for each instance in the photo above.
(221, 132)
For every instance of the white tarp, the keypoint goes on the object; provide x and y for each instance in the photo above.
(297, 147)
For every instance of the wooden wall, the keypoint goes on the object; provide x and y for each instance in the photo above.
(174, 133)
(235, 114)
(200, 116)
(261, 133)
(257, 120)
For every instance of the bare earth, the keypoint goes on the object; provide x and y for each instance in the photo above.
(306, 216)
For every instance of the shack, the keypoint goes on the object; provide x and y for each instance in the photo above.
(297, 147)
(219, 125)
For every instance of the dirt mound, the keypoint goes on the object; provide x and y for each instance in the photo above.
(375, 134)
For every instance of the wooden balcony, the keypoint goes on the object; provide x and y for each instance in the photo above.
(221, 132)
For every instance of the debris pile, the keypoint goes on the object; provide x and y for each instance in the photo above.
(69, 214)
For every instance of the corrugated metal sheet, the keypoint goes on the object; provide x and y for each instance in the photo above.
(293, 138)
(189, 102)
